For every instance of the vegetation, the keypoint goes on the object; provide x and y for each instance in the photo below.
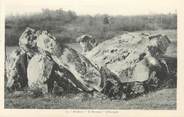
(163, 99)
(67, 25)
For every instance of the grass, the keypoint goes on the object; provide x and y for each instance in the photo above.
(161, 99)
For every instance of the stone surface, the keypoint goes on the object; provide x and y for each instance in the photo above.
(27, 41)
(87, 43)
(16, 69)
(84, 71)
(39, 72)
(130, 55)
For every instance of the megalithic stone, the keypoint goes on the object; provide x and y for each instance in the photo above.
(16, 70)
(130, 54)
(27, 41)
(18, 60)
(87, 42)
(84, 71)
(39, 72)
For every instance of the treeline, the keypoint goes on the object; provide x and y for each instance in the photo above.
(67, 25)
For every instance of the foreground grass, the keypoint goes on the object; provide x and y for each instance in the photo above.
(162, 99)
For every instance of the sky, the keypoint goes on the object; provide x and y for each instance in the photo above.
(92, 7)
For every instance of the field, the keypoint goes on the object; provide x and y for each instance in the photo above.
(161, 99)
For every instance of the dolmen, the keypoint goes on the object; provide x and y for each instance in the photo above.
(118, 68)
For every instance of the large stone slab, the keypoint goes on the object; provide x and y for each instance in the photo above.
(130, 56)
(84, 71)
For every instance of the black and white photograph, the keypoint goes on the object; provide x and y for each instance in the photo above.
(89, 54)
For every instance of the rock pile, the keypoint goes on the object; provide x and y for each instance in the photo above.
(119, 68)
(138, 60)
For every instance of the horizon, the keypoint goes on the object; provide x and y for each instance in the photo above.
(91, 7)
(113, 15)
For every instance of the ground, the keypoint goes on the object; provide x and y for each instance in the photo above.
(161, 99)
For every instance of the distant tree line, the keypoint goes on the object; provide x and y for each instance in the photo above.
(66, 26)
